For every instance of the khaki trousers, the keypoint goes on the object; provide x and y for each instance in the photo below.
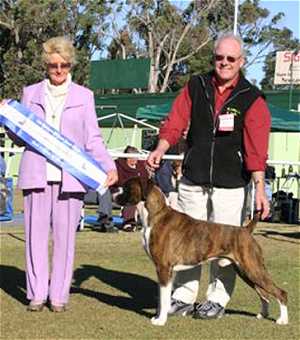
(217, 205)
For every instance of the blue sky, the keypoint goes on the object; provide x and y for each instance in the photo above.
(291, 9)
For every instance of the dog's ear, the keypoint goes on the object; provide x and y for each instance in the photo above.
(147, 187)
(251, 225)
(132, 192)
(156, 200)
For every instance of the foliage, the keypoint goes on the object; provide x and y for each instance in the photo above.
(26, 24)
(122, 46)
(170, 34)
(177, 36)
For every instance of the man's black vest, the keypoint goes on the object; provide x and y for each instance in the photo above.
(213, 157)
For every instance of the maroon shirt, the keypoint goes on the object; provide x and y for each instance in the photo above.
(125, 172)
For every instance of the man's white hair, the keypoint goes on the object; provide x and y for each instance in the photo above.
(225, 36)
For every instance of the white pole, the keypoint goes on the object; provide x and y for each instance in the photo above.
(236, 9)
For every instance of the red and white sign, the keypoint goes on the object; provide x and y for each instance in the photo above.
(287, 68)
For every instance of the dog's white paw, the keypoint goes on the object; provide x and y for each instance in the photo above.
(157, 321)
(224, 262)
(282, 321)
(261, 316)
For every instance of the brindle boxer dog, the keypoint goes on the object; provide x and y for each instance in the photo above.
(175, 241)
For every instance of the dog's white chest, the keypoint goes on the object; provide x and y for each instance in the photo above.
(146, 238)
(143, 214)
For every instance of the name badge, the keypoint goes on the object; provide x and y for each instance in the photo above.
(226, 122)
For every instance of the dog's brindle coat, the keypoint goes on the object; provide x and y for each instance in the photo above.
(176, 241)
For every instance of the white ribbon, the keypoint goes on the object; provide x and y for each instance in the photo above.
(51, 144)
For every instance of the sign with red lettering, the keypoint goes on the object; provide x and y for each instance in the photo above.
(287, 68)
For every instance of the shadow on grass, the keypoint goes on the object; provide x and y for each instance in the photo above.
(288, 236)
(142, 291)
(12, 282)
(246, 314)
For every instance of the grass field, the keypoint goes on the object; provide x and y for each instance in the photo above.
(114, 292)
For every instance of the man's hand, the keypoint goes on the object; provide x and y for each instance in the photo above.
(261, 199)
(262, 203)
(112, 178)
(156, 155)
(154, 159)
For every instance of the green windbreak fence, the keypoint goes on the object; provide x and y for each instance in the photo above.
(130, 105)
(155, 107)
(134, 73)
(284, 98)
(119, 74)
(284, 120)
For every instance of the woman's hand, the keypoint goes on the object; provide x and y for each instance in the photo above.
(112, 178)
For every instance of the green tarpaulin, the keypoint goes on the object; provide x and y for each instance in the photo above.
(282, 119)
(119, 74)
(129, 104)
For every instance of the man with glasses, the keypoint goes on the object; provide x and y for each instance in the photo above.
(228, 125)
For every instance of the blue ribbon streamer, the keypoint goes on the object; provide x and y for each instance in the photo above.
(95, 179)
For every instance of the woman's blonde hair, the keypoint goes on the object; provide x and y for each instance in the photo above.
(60, 45)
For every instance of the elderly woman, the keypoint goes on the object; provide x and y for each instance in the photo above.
(52, 197)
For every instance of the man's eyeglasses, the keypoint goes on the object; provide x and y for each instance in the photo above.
(230, 59)
(55, 66)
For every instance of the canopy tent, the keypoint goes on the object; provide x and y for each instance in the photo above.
(134, 73)
(285, 99)
(128, 104)
(283, 120)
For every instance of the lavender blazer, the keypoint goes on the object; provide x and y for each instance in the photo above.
(78, 123)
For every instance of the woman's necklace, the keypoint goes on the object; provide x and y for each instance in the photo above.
(56, 96)
(54, 109)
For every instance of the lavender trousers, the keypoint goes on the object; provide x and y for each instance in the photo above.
(48, 210)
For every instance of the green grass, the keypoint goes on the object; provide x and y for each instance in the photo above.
(114, 293)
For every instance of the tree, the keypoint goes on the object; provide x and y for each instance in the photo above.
(178, 36)
(122, 46)
(257, 29)
(26, 24)
(166, 31)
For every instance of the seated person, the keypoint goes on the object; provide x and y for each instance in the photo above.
(163, 177)
(128, 168)
(167, 176)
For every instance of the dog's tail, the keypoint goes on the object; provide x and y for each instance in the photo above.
(251, 225)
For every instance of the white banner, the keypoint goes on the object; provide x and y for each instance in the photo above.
(54, 146)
